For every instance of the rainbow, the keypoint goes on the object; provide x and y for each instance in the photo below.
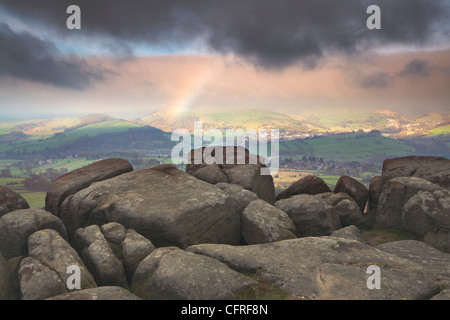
(192, 88)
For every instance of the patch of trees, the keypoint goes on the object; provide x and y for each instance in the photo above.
(6, 173)
(37, 183)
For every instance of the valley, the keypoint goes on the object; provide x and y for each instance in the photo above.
(34, 152)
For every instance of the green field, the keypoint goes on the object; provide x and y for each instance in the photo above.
(69, 164)
(445, 130)
(346, 147)
(38, 144)
(36, 200)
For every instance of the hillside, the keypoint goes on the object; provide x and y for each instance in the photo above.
(24, 137)
(234, 119)
(347, 147)
(300, 135)
(305, 123)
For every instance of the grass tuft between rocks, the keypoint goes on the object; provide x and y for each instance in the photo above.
(376, 237)
(264, 290)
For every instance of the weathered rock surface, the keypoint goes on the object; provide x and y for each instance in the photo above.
(262, 223)
(351, 233)
(427, 215)
(307, 185)
(249, 176)
(311, 216)
(135, 248)
(429, 258)
(443, 295)
(112, 252)
(5, 280)
(346, 207)
(99, 293)
(241, 195)
(164, 204)
(198, 226)
(99, 258)
(356, 190)
(374, 192)
(175, 274)
(11, 201)
(433, 169)
(211, 174)
(17, 226)
(327, 268)
(115, 234)
(244, 169)
(222, 156)
(43, 273)
(393, 197)
(74, 181)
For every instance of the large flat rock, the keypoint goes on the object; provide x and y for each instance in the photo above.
(164, 204)
(431, 259)
(327, 268)
(174, 274)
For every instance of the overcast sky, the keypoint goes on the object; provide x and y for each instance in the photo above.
(285, 55)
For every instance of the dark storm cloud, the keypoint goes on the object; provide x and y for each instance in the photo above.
(269, 33)
(27, 57)
(416, 67)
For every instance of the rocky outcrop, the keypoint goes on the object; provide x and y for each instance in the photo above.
(412, 195)
(262, 223)
(223, 156)
(351, 233)
(111, 252)
(135, 248)
(348, 210)
(433, 169)
(17, 226)
(239, 167)
(394, 196)
(327, 268)
(172, 273)
(427, 215)
(356, 190)
(99, 257)
(161, 233)
(250, 177)
(11, 201)
(74, 181)
(164, 204)
(212, 174)
(241, 195)
(43, 273)
(311, 216)
(307, 185)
